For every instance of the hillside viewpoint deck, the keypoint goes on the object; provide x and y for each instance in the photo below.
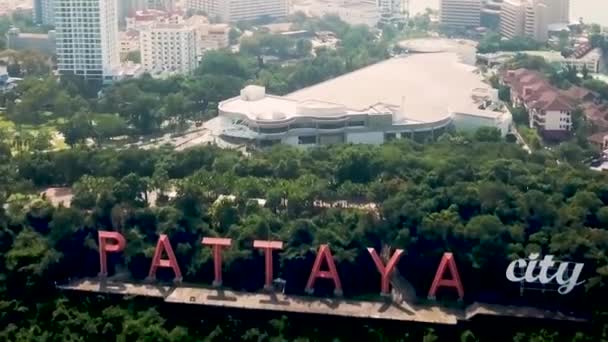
(383, 310)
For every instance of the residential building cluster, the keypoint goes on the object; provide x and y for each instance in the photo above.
(171, 42)
(89, 44)
(550, 109)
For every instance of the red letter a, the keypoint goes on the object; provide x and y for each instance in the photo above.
(105, 247)
(163, 244)
(385, 272)
(332, 273)
(446, 261)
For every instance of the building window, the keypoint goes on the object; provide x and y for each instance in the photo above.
(390, 136)
(302, 125)
(273, 130)
(359, 123)
(307, 140)
(337, 125)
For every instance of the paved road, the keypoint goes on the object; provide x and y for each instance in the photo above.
(521, 141)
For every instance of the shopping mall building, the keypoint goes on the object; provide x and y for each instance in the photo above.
(418, 96)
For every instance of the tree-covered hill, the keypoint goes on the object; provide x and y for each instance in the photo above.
(486, 202)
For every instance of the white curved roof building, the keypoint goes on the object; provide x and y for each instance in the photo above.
(419, 96)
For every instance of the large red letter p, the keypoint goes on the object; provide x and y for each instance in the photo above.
(109, 242)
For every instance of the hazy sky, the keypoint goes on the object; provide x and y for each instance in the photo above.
(593, 11)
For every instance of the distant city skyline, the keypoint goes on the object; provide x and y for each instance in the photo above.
(593, 11)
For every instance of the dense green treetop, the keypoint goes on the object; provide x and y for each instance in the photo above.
(484, 200)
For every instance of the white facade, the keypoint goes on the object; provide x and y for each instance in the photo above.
(129, 42)
(44, 12)
(87, 38)
(591, 60)
(419, 97)
(460, 13)
(241, 10)
(168, 47)
(537, 20)
(488, 112)
(558, 11)
(392, 10)
(512, 18)
(163, 5)
(532, 17)
(140, 20)
(213, 37)
(470, 123)
(365, 13)
(550, 120)
(263, 119)
(176, 44)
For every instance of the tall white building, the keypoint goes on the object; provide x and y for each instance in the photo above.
(44, 12)
(87, 38)
(241, 10)
(460, 13)
(512, 18)
(532, 17)
(537, 20)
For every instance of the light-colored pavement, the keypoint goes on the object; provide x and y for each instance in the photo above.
(386, 310)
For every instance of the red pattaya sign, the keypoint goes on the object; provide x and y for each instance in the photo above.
(324, 266)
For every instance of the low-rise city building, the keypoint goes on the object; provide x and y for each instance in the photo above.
(213, 37)
(127, 70)
(175, 43)
(550, 109)
(590, 59)
(169, 47)
(43, 42)
(145, 18)
(129, 42)
(241, 10)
